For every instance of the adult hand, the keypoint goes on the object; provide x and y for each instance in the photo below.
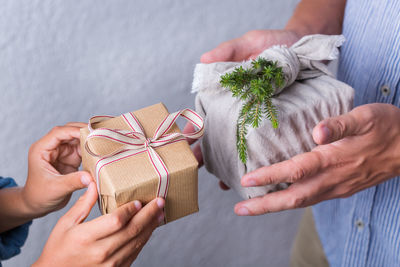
(110, 240)
(250, 45)
(53, 162)
(355, 151)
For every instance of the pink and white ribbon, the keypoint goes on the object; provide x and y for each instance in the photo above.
(134, 142)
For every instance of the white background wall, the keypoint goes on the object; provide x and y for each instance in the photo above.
(65, 61)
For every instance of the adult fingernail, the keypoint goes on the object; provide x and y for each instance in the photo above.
(160, 217)
(160, 203)
(85, 180)
(243, 211)
(326, 132)
(137, 204)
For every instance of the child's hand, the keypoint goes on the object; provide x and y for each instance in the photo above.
(52, 170)
(111, 240)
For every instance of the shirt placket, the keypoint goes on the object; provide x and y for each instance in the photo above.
(396, 95)
(358, 238)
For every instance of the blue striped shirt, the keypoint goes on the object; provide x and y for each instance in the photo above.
(364, 230)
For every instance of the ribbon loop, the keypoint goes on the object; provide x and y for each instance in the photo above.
(135, 141)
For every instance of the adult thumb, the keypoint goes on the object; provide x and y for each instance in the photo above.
(334, 129)
(233, 50)
(220, 53)
(81, 209)
(76, 180)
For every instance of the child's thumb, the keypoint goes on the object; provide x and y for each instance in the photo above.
(76, 180)
(81, 209)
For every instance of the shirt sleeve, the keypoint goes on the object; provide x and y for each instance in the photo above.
(12, 240)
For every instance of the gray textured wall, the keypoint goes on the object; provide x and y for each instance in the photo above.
(64, 61)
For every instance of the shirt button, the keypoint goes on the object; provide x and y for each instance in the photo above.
(385, 90)
(359, 224)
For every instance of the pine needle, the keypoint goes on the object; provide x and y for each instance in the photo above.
(255, 86)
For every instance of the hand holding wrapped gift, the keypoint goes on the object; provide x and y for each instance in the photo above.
(355, 151)
(114, 239)
(53, 175)
(309, 95)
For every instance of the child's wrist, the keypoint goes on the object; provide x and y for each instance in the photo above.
(14, 211)
(29, 207)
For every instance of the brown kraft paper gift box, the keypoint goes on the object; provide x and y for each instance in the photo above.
(134, 178)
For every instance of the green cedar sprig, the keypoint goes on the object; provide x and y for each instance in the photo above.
(255, 86)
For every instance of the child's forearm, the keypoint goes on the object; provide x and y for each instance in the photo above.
(14, 210)
(317, 16)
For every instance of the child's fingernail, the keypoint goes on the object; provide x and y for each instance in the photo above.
(91, 187)
(250, 182)
(160, 217)
(243, 211)
(160, 203)
(85, 180)
(137, 204)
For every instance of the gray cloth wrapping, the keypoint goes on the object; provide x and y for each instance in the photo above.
(310, 95)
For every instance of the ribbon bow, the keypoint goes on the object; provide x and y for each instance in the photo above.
(135, 141)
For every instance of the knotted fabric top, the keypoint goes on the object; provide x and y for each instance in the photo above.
(135, 141)
(300, 61)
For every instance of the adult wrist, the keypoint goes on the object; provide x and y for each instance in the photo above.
(299, 32)
(317, 17)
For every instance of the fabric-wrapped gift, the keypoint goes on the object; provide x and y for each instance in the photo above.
(142, 155)
(309, 95)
